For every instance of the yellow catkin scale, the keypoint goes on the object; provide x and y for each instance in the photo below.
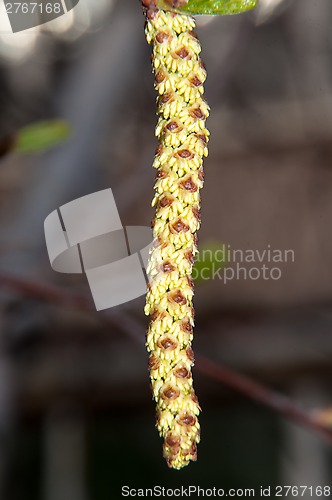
(182, 111)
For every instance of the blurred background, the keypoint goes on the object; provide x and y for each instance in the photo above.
(76, 415)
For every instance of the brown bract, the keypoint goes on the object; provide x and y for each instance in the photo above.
(150, 8)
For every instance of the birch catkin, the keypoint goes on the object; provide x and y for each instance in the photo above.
(179, 78)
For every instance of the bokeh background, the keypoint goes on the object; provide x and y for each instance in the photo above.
(76, 415)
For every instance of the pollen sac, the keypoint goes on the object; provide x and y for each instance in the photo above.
(185, 154)
(182, 53)
(162, 37)
(165, 201)
(167, 267)
(197, 113)
(177, 297)
(203, 138)
(160, 76)
(167, 342)
(154, 362)
(172, 440)
(187, 420)
(170, 392)
(197, 213)
(189, 185)
(195, 81)
(201, 174)
(186, 326)
(182, 372)
(174, 126)
(190, 354)
(190, 257)
(166, 98)
(193, 452)
(179, 226)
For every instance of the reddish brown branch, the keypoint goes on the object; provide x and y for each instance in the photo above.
(262, 394)
(46, 293)
(228, 377)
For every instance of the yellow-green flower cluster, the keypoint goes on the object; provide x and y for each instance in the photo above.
(179, 78)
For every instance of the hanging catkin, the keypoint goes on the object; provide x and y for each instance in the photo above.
(182, 111)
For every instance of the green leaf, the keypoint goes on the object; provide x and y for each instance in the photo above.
(210, 260)
(208, 7)
(42, 136)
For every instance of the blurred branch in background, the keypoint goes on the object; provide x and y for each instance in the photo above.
(228, 377)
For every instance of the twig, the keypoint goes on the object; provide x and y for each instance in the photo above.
(47, 293)
(57, 295)
(262, 394)
(228, 377)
